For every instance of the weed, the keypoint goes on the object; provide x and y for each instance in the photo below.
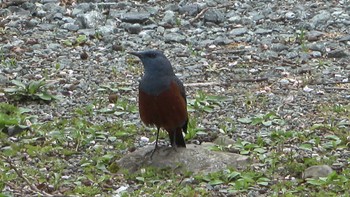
(78, 41)
(267, 120)
(13, 120)
(33, 90)
(206, 103)
(301, 38)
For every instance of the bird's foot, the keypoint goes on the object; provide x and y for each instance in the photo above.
(152, 152)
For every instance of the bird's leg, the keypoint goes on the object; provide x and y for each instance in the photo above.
(174, 143)
(156, 146)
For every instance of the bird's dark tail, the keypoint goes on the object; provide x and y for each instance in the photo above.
(177, 139)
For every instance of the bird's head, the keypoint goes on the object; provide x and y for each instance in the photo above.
(154, 62)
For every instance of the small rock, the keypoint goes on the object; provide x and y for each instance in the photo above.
(135, 17)
(144, 139)
(46, 26)
(278, 47)
(316, 54)
(122, 189)
(307, 89)
(174, 37)
(314, 35)
(190, 9)
(321, 18)
(340, 53)
(32, 23)
(238, 31)
(28, 6)
(57, 16)
(53, 8)
(214, 15)
(133, 28)
(172, 7)
(290, 15)
(317, 171)
(284, 81)
(187, 181)
(169, 17)
(345, 38)
(70, 26)
(81, 8)
(92, 19)
(269, 54)
(292, 55)
(84, 55)
(223, 141)
(263, 31)
(117, 47)
(40, 13)
(106, 30)
(319, 46)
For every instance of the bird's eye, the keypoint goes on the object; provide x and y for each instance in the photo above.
(151, 55)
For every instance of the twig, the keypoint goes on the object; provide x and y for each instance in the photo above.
(202, 84)
(206, 9)
(251, 80)
(199, 15)
(335, 88)
(330, 83)
(226, 83)
(19, 174)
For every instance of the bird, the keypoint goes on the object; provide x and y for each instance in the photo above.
(162, 97)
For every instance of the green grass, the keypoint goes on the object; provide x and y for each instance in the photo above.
(76, 156)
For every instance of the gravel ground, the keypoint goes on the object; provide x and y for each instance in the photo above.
(288, 57)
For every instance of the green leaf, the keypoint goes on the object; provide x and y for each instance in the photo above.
(216, 182)
(121, 134)
(33, 87)
(245, 152)
(317, 126)
(141, 179)
(10, 90)
(24, 110)
(306, 147)
(118, 113)
(67, 42)
(106, 110)
(44, 96)
(314, 181)
(263, 181)
(125, 88)
(246, 120)
(333, 137)
(260, 150)
(208, 109)
(81, 38)
(267, 123)
(18, 83)
(257, 120)
(233, 175)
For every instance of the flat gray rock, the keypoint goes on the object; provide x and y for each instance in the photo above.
(317, 171)
(194, 158)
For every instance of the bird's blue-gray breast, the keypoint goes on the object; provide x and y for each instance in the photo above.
(155, 85)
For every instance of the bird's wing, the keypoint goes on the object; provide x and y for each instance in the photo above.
(183, 94)
(182, 88)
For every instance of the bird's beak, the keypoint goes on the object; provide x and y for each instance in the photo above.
(138, 54)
